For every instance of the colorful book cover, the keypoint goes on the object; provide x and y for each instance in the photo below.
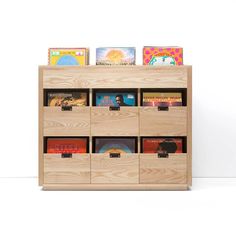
(115, 145)
(68, 56)
(162, 145)
(159, 99)
(115, 56)
(67, 99)
(115, 99)
(67, 145)
(162, 56)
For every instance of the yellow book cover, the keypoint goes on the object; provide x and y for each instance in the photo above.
(68, 56)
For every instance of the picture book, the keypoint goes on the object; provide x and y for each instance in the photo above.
(162, 56)
(67, 145)
(115, 99)
(162, 99)
(67, 99)
(115, 56)
(115, 145)
(68, 56)
(162, 145)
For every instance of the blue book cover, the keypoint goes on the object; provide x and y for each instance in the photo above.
(115, 99)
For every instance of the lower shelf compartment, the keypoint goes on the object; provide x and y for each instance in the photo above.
(171, 170)
(58, 170)
(124, 169)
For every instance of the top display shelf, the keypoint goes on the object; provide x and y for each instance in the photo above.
(115, 76)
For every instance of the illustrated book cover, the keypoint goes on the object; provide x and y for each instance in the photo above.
(67, 145)
(162, 145)
(115, 56)
(68, 56)
(162, 56)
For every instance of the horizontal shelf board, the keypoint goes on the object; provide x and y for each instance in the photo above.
(115, 76)
(115, 187)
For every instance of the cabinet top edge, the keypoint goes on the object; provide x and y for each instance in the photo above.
(115, 67)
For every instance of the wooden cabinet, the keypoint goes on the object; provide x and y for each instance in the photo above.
(129, 171)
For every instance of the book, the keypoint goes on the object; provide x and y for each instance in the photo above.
(115, 56)
(162, 56)
(162, 99)
(115, 145)
(115, 99)
(162, 145)
(67, 145)
(67, 99)
(68, 56)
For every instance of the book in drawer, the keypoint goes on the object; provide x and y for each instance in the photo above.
(170, 170)
(58, 170)
(66, 123)
(122, 169)
(170, 122)
(106, 122)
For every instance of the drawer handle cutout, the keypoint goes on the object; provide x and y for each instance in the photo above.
(163, 155)
(163, 108)
(114, 155)
(66, 155)
(66, 108)
(111, 108)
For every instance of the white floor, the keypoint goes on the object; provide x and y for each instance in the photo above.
(209, 209)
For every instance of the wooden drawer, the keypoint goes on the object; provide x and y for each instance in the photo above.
(124, 122)
(66, 170)
(163, 123)
(70, 123)
(171, 170)
(105, 169)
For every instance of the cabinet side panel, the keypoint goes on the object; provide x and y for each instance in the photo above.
(40, 128)
(189, 132)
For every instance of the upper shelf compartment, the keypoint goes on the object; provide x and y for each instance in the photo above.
(114, 76)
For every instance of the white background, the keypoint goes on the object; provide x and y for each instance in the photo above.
(206, 30)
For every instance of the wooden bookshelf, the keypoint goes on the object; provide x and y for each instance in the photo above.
(135, 171)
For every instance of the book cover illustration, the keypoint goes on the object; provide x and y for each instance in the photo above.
(68, 56)
(67, 99)
(161, 99)
(67, 145)
(115, 99)
(115, 145)
(162, 145)
(115, 56)
(162, 56)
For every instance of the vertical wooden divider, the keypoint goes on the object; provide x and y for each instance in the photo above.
(90, 136)
(40, 128)
(139, 140)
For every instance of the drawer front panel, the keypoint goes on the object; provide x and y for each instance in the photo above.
(163, 123)
(171, 170)
(118, 123)
(105, 169)
(66, 123)
(115, 77)
(73, 170)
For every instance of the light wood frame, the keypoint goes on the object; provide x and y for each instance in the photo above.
(178, 173)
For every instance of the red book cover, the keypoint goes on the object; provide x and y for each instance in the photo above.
(162, 145)
(67, 145)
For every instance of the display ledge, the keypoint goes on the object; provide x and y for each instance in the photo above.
(105, 187)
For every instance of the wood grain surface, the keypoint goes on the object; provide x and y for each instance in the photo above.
(115, 77)
(163, 123)
(119, 123)
(172, 170)
(114, 170)
(66, 123)
(66, 170)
